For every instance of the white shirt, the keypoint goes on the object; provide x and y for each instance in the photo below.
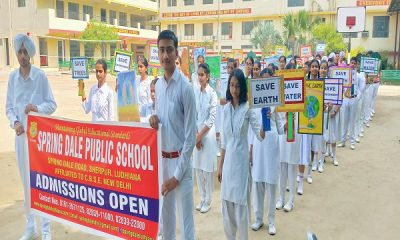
(176, 110)
(101, 103)
(21, 92)
(235, 171)
(144, 94)
(195, 80)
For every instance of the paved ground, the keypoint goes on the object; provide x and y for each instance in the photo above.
(357, 200)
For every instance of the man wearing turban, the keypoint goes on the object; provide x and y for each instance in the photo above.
(28, 91)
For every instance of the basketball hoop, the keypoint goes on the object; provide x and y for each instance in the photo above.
(350, 21)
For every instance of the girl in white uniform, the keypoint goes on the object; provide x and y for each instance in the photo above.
(289, 158)
(265, 169)
(101, 97)
(233, 169)
(143, 85)
(204, 154)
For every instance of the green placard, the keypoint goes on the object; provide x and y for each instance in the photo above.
(214, 62)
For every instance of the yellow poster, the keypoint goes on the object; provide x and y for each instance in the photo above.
(311, 119)
(294, 90)
(280, 50)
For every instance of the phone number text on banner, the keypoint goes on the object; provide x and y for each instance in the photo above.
(100, 177)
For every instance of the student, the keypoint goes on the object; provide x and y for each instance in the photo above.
(204, 154)
(331, 126)
(248, 73)
(194, 78)
(282, 62)
(176, 111)
(360, 102)
(310, 143)
(233, 168)
(256, 69)
(264, 162)
(289, 159)
(143, 85)
(266, 73)
(28, 91)
(349, 111)
(101, 97)
(149, 109)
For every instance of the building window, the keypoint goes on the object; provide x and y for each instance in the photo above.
(122, 19)
(113, 15)
(21, 3)
(189, 31)
(74, 49)
(227, 1)
(89, 50)
(226, 47)
(87, 10)
(171, 3)
(381, 27)
(247, 46)
(207, 29)
(207, 1)
(352, 35)
(295, 3)
(60, 9)
(73, 11)
(173, 27)
(226, 30)
(103, 15)
(188, 2)
(247, 27)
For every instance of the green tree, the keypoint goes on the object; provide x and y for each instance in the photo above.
(327, 33)
(265, 37)
(99, 33)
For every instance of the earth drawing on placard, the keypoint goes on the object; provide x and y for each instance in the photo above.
(312, 109)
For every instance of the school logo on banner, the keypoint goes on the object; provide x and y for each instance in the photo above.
(33, 129)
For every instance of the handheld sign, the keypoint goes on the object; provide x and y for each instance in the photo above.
(311, 120)
(320, 48)
(345, 73)
(80, 70)
(185, 63)
(305, 51)
(122, 61)
(294, 90)
(128, 104)
(214, 62)
(266, 92)
(369, 65)
(153, 55)
(333, 91)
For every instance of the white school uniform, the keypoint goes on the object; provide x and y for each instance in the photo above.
(265, 169)
(360, 102)
(235, 172)
(332, 126)
(144, 97)
(100, 103)
(21, 92)
(204, 160)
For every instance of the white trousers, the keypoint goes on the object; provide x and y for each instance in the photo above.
(348, 112)
(374, 95)
(205, 184)
(359, 115)
(23, 167)
(182, 198)
(288, 174)
(258, 201)
(235, 220)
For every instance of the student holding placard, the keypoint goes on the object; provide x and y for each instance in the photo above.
(143, 85)
(233, 168)
(359, 128)
(264, 158)
(204, 154)
(331, 126)
(101, 97)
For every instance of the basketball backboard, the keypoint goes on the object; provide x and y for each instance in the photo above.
(350, 19)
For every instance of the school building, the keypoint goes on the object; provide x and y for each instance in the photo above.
(56, 27)
(224, 25)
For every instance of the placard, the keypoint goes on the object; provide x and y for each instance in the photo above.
(311, 119)
(333, 91)
(185, 63)
(80, 69)
(122, 61)
(294, 90)
(320, 48)
(369, 65)
(153, 55)
(102, 178)
(214, 62)
(345, 73)
(280, 50)
(274, 60)
(305, 51)
(128, 95)
(266, 92)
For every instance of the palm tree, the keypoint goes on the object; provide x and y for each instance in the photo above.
(290, 31)
(265, 37)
